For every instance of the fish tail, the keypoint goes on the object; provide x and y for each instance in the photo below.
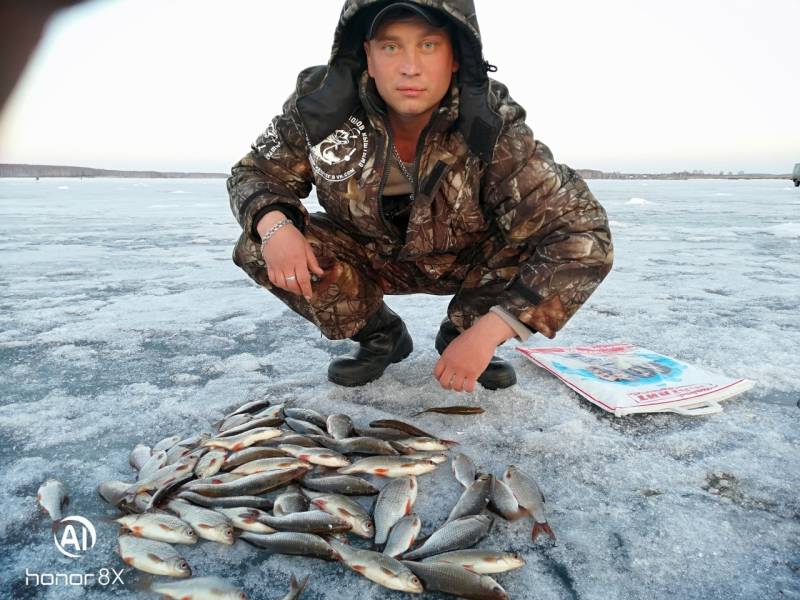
(540, 528)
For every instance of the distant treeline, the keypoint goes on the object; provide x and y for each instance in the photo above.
(60, 171)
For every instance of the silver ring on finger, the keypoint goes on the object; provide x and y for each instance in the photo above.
(290, 278)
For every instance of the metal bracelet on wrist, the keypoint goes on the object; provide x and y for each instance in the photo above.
(272, 231)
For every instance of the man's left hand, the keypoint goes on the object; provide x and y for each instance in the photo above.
(467, 356)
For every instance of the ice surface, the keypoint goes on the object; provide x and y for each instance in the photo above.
(123, 319)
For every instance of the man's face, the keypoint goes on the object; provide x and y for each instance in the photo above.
(412, 64)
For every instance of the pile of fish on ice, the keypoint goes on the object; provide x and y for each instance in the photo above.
(213, 487)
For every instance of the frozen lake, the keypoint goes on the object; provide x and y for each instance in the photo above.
(123, 319)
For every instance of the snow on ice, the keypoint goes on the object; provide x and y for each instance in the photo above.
(119, 326)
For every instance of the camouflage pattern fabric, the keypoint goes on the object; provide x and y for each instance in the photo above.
(520, 231)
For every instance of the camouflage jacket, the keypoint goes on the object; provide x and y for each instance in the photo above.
(480, 174)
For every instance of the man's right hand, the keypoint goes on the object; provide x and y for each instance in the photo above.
(288, 256)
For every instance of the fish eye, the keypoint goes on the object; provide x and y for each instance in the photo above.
(184, 565)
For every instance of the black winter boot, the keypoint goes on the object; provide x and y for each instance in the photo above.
(498, 374)
(383, 340)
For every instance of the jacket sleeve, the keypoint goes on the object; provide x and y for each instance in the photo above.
(274, 175)
(547, 209)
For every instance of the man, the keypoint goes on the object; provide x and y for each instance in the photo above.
(431, 182)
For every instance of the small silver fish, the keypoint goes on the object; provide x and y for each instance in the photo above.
(207, 524)
(312, 521)
(290, 501)
(156, 461)
(139, 456)
(426, 444)
(380, 568)
(251, 485)
(474, 499)
(304, 427)
(225, 501)
(482, 562)
(463, 469)
(403, 535)
(160, 527)
(340, 484)
(269, 464)
(253, 453)
(198, 588)
(503, 501)
(455, 580)
(166, 443)
(316, 456)
(389, 466)
(306, 414)
(211, 462)
(302, 544)
(243, 440)
(52, 497)
(246, 519)
(347, 509)
(394, 501)
(150, 556)
(530, 497)
(339, 426)
(455, 535)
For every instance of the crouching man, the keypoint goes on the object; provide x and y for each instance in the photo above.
(431, 182)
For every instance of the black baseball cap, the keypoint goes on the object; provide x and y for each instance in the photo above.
(432, 16)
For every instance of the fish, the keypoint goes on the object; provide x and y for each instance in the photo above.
(452, 410)
(383, 570)
(403, 535)
(114, 491)
(151, 556)
(294, 439)
(426, 444)
(52, 497)
(400, 426)
(455, 580)
(252, 453)
(207, 524)
(160, 527)
(339, 426)
(156, 461)
(306, 414)
(275, 411)
(211, 462)
(167, 443)
(269, 464)
(248, 408)
(340, 484)
(304, 427)
(290, 501)
(296, 588)
(233, 421)
(213, 480)
(139, 456)
(251, 424)
(346, 509)
(246, 519)
(176, 453)
(165, 475)
(463, 469)
(251, 485)
(243, 440)
(303, 544)
(530, 497)
(312, 521)
(455, 535)
(482, 562)
(316, 456)
(225, 501)
(436, 457)
(198, 588)
(194, 440)
(474, 499)
(503, 502)
(394, 501)
(357, 445)
(389, 466)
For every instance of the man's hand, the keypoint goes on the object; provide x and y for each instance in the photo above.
(467, 356)
(288, 256)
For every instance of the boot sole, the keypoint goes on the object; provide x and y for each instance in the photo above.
(398, 355)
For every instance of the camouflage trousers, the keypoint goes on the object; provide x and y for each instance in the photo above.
(358, 275)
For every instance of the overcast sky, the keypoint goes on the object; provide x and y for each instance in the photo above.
(614, 85)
